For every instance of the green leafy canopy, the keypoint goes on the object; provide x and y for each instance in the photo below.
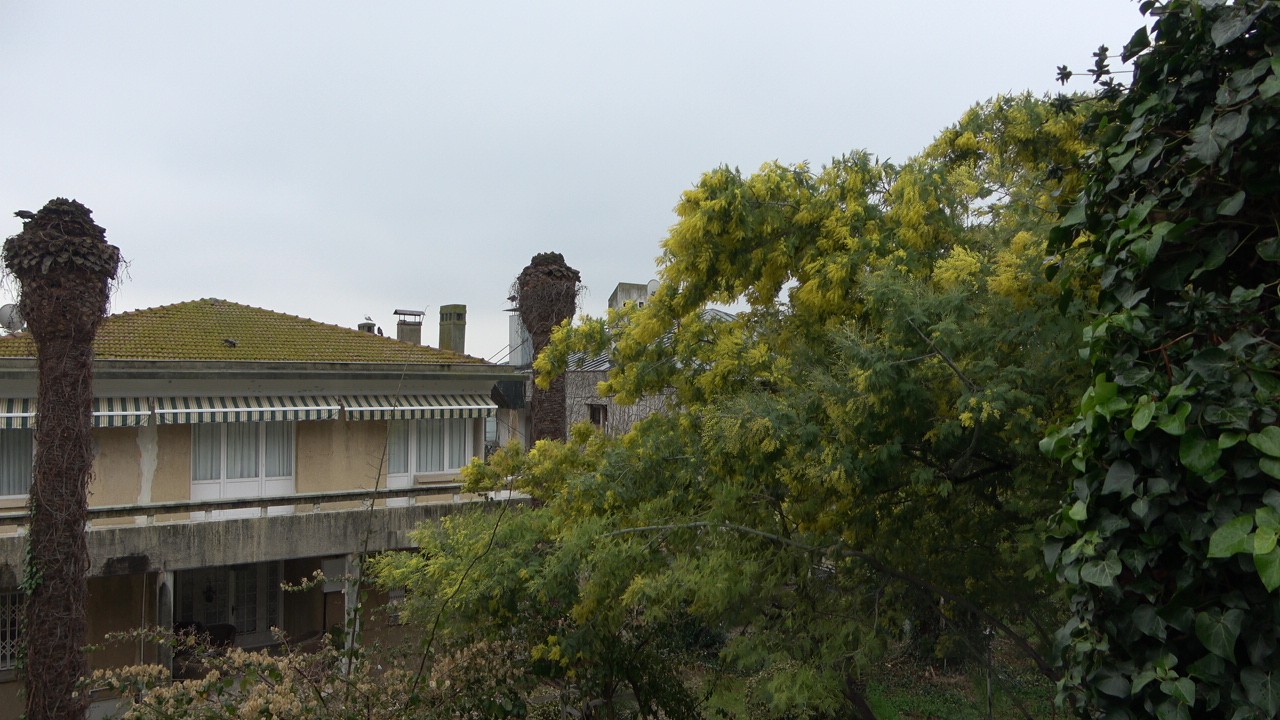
(1167, 540)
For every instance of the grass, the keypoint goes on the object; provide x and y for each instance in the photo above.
(909, 690)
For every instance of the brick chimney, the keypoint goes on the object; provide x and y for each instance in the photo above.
(409, 326)
(453, 328)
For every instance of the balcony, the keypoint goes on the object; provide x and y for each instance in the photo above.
(163, 537)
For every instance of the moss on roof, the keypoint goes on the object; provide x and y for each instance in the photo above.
(218, 330)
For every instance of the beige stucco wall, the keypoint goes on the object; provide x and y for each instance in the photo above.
(173, 464)
(116, 604)
(172, 480)
(337, 455)
(11, 700)
(302, 611)
(117, 476)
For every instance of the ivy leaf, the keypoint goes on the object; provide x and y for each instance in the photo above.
(1142, 162)
(1112, 684)
(1230, 206)
(1129, 296)
(1231, 126)
(1139, 42)
(1198, 453)
(1231, 26)
(1270, 466)
(1144, 676)
(1269, 249)
(1219, 630)
(1232, 538)
(1120, 478)
(1175, 423)
(1119, 162)
(1172, 710)
(1142, 416)
(1264, 541)
(1229, 440)
(1076, 215)
(1101, 572)
(1183, 690)
(1262, 688)
(1148, 621)
(1204, 144)
(1267, 517)
(1268, 566)
(1267, 441)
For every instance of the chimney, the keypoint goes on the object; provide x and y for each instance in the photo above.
(453, 328)
(366, 327)
(409, 326)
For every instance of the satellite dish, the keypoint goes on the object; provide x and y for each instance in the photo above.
(11, 319)
(653, 287)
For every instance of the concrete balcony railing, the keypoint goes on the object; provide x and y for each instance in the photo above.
(166, 537)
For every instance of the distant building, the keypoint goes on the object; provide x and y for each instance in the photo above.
(236, 448)
(584, 402)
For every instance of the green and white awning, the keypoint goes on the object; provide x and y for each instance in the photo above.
(121, 412)
(17, 413)
(417, 407)
(20, 413)
(274, 408)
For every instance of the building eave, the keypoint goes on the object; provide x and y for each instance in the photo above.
(113, 369)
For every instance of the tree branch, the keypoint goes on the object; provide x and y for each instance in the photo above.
(951, 364)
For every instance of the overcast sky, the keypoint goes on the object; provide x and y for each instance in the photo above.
(336, 160)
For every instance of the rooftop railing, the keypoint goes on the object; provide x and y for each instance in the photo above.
(368, 498)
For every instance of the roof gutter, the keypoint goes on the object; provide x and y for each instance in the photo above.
(25, 368)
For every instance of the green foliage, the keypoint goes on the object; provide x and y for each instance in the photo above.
(324, 683)
(853, 459)
(488, 577)
(1167, 540)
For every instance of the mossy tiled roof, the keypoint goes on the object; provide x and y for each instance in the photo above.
(218, 330)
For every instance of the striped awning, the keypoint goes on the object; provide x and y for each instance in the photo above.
(417, 407)
(17, 413)
(120, 412)
(20, 413)
(275, 408)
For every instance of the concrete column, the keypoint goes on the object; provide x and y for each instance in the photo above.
(148, 452)
(351, 602)
(164, 616)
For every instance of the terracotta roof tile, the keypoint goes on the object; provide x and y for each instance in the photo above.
(218, 330)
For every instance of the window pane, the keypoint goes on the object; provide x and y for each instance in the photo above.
(245, 617)
(430, 446)
(398, 447)
(16, 448)
(213, 596)
(206, 452)
(242, 450)
(10, 610)
(273, 594)
(279, 449)
(457, 441)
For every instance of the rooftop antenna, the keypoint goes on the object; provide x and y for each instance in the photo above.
(10, 319)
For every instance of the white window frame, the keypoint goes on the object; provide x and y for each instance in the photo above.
(260, 484)
(29, 466)
(458, 452)
(10, 628)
